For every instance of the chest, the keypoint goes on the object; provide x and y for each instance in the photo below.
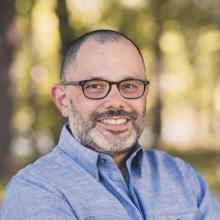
(136, 197)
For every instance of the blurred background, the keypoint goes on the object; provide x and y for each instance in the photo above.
(180, 41)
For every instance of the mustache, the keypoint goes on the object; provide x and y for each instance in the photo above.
(110, 113)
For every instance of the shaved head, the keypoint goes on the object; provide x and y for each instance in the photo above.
(100, 36)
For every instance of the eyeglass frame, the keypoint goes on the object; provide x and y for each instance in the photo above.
(110, 83)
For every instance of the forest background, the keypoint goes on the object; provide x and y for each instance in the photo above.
(180, 41)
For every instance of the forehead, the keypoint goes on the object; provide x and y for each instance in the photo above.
(110, 60)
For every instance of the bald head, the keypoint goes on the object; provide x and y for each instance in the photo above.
(100, 36)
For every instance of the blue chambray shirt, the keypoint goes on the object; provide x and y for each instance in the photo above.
(74, 182)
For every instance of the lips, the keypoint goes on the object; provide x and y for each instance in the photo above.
(114, 123)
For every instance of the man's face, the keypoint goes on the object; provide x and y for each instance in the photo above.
(113, 124)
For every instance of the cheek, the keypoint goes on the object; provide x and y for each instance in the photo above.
(138, 106)
(86, 107)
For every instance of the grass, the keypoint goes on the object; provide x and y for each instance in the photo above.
(2, 186)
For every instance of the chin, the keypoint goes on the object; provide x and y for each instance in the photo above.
(112, 145)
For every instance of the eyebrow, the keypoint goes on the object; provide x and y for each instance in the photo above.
(130, 76)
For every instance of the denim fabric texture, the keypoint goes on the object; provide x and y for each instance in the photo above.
(74, 182)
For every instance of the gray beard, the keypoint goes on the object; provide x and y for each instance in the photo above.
(104, 141)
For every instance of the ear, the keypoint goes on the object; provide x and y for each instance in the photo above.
(58, 96)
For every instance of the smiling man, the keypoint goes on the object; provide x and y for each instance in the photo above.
(106, 110)
(98, 170)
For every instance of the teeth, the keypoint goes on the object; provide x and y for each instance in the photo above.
(114, 121)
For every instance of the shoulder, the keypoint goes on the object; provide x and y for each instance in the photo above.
(46, 173)
(182, 173)
(34, 189)
(37, 175)
(175, 168)
(163, 159)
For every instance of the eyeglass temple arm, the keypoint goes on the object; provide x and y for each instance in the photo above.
(70, 83)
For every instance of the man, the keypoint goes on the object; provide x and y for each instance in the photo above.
(98, 170)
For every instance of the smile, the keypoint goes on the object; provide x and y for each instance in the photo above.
(114, 121)
(114, 124)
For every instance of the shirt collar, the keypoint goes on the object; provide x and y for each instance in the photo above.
(135, 159)
(88, 158)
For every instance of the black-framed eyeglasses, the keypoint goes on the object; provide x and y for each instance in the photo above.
(100, 88)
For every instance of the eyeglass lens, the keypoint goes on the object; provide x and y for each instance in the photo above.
(100, 88)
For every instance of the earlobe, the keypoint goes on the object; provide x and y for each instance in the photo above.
(59, 98)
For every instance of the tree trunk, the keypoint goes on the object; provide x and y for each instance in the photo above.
(66, 33)
(7, 41)
(158, 69)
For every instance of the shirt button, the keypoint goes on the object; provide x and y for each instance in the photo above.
(103, 160)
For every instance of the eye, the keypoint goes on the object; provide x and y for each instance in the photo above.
(95, 86)
(129, 86)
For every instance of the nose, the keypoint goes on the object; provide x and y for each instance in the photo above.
(114, 99)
